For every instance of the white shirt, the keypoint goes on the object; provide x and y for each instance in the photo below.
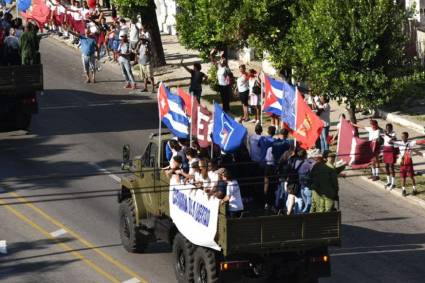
(221, 78)
(373, 134)
(269, 156)
(234, 193)
(254, 149)
(134, 33)
(389, 137)
(243, 83)
(146, 35)
(124, 29)
(191, 162)
(206, 182)
(403, 146)
(77, 14)
(325, 115)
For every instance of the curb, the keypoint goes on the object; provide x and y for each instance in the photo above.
(401, 121)
(396, 192)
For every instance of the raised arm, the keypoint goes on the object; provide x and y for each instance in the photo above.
(212, 56)
(185, 67)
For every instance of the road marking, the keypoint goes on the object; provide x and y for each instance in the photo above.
(3, 247)
(63, 245)
(58, 233)
(132, 280)
(380, 252)
(85, 242)
(103, 170)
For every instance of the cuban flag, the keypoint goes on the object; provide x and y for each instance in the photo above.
(273, 91)
(171, 112)
(227, 133)
(289, 101)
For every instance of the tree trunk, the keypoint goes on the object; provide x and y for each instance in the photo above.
(150, 20)
(352, 113)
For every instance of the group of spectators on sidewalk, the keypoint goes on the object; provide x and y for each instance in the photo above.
(122, 42)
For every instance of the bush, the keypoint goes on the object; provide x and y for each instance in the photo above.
(212, 78)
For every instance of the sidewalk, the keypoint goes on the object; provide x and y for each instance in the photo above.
(174, 75)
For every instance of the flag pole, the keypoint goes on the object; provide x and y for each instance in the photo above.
(159, 127)
(212, 142)
(261, 99)
(191, 119)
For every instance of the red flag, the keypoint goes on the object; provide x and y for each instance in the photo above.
(188, 100)
(356, 152)
(308, 125)
(202, 125)
(39, 12)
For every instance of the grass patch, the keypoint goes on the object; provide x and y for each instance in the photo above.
(420, 185)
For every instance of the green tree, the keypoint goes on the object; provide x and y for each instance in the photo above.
(351, 50)
(206, 24)
(147, 10)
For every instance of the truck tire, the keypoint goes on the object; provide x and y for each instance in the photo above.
(23, 121)
(131, 237)
(183, 259)
(205, 270)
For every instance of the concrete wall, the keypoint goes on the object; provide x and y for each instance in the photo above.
(166, 13)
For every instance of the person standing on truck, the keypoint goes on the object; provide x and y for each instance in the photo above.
(325, 187)
(233, 194)
(264, 143)
(28, 46)
(11, 49)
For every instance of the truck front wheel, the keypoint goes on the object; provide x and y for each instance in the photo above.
(205, 266)
(131, 237)
(183, 259)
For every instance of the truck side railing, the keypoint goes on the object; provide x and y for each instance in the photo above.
(21, 78)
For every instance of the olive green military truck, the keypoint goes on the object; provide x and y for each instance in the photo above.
(293, 247)
(18, 95)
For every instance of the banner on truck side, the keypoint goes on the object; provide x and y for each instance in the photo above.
(194, 214)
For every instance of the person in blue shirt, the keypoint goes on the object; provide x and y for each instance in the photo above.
(88, 49)
(265, 143)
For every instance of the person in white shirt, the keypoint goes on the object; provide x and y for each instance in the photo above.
(405, 160)
(389, 155)
(254, 95)
(374, 133)
(324, 111)
(233, 195)
(243, 90)
(202, 179)
(224, 79)
(192, 158)
(253, 140)
(134, 34)
(144, 33)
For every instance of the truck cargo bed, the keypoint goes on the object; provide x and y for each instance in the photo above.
(278, 233)
(20, 79)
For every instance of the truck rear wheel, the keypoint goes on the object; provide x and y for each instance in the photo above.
(183, 259)
(131, 237)
(23, 121)
(205, 266)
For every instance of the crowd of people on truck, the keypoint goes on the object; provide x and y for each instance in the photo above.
(19, 44)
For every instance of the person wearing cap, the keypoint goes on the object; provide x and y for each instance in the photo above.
(88, 49)
(124, 61)
(324, 183)
(233, 194)
(145, 66)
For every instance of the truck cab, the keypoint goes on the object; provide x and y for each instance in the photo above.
(293, 247)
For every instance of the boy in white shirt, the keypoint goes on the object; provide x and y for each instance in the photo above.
(233, 195)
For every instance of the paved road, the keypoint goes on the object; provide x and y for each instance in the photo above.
(64, 229)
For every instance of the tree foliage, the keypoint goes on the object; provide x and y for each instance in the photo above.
(207, 24)
(351, 49)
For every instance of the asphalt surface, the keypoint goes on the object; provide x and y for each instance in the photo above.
(65, 228)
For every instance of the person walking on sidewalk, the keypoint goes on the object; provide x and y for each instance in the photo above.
(389, 155)
(145, 66)
(254, 95)
(134, 35)
(224, 78)
(375, 137)
(88, 49)
(196, 79)
(405, 160)
(124, 61)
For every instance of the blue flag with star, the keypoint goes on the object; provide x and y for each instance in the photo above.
(227, 133)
